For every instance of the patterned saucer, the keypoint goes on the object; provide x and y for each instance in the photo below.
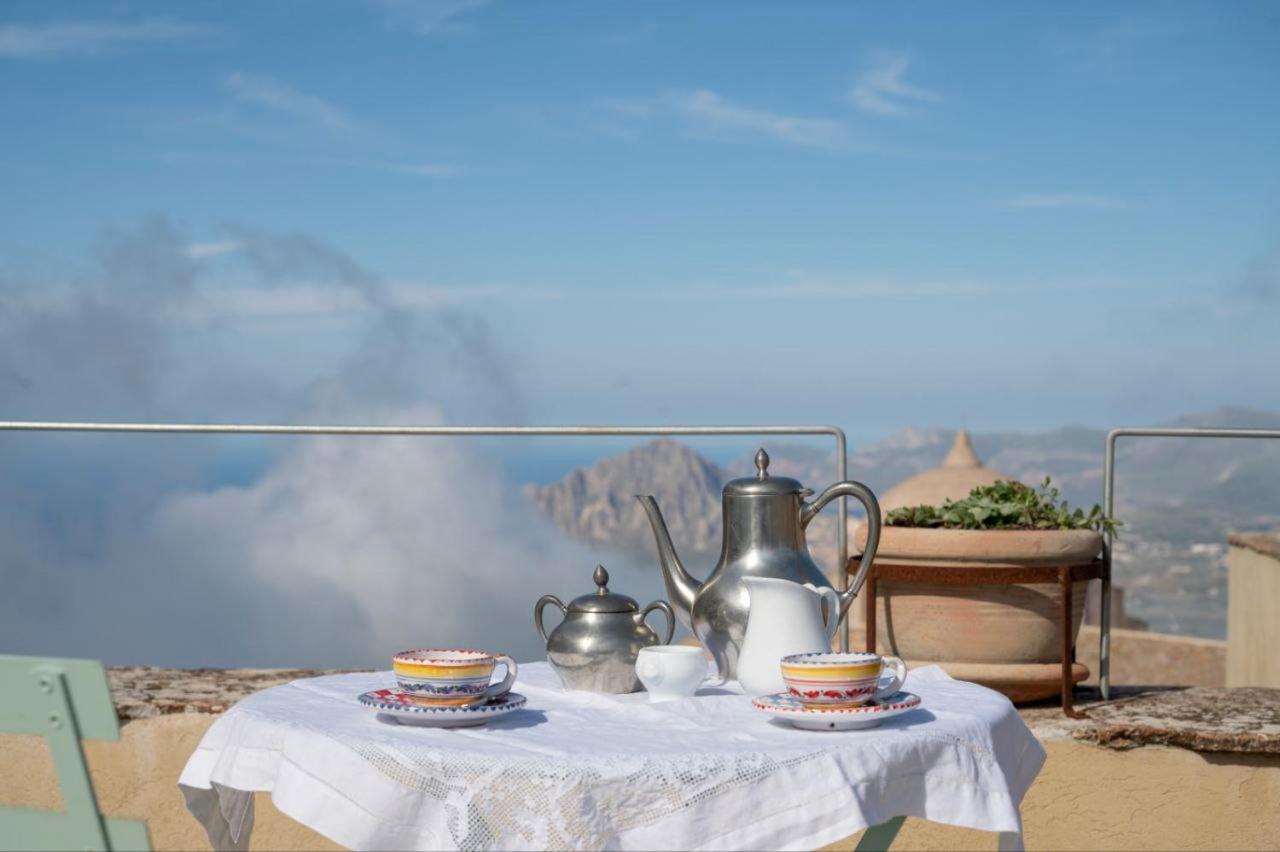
(406, 711)
(788, 707)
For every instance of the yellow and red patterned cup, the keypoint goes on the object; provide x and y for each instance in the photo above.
(834, 679)
(451, 677)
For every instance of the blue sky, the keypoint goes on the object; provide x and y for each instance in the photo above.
(1002, 215)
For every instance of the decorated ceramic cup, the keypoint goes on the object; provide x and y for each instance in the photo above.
(451, 677)
(834, 679)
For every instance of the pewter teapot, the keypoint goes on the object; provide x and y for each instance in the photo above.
(596, 645)
(764, 521)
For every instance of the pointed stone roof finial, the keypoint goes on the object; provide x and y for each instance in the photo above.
(962, 454)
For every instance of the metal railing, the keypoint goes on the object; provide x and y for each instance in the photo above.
(1108, 508)
(842, 539)
(842, 533)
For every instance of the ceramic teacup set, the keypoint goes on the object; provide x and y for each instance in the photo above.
(447, 688)
(824, 691)
(819, 689)
(838, 691)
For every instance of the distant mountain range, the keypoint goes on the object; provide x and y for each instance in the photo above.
(1198, 485)
(1178, 492)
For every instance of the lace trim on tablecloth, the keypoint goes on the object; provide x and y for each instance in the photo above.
(554, 805)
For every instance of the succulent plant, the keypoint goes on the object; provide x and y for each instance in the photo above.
(1005, 505)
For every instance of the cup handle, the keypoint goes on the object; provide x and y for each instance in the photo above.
(899, 677)
(497, 689)
(648, 669)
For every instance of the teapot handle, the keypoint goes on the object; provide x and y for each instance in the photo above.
(868, 500)
(537, 612)
(671, 618)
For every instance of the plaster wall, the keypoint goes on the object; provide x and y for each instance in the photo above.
(1086, 798)
(1142, 658)
(1253, 624)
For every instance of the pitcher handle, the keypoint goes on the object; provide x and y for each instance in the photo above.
(833, 608)
(868, 500)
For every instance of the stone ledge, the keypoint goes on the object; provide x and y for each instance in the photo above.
(1203, 719)
(143, 692)
(1268, 544)
(1243, 720)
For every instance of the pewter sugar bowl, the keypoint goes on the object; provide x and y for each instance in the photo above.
(596, 645)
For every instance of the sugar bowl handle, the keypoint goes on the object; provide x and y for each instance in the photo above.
(671, 618)
(537, 612)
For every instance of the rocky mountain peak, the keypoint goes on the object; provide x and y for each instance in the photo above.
(597, 503)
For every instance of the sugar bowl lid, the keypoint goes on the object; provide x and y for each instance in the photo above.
(603, 600)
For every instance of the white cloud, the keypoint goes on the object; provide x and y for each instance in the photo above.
(315, 299)
(200, 251)
(707, 112)
(1120, 40)
(421, 537)
(431, 17)
(830, 290)
(30, 41)
(416, 169)
(881, 89)
(1063, 201)
(280, 97)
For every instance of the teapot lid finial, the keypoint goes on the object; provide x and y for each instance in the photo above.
(763, 484)
(762, 464)
(601, 577)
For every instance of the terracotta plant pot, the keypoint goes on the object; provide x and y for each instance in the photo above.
(1007, 637)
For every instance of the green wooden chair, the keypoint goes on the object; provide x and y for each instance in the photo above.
(62, 701)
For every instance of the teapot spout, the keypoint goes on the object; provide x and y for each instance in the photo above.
(681, 588)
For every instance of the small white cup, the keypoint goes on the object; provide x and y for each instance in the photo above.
(669, 672)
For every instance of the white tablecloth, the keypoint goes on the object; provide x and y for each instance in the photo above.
(580, 770)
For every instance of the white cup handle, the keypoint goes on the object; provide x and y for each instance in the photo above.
(496, 689)
(899, 677)
(647, 668)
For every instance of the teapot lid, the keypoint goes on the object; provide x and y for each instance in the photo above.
(762, 483)
(603, 600)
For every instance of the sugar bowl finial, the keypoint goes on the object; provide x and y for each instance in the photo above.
(601, 576)
(762, 464)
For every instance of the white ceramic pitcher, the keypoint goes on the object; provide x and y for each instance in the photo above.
(784, 618)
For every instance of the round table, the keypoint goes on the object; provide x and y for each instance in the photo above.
(581, 770)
